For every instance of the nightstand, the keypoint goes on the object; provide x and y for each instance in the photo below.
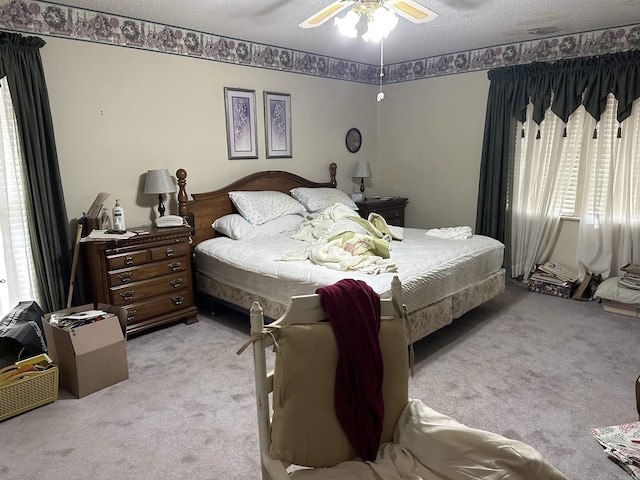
(149, 275)
(391, 209)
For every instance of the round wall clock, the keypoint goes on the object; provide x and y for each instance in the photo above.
(353, 140)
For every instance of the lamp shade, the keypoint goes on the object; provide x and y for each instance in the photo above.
(159, 181)
(362, 170)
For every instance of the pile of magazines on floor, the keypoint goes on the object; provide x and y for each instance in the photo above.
(622, 444)
(555, 274)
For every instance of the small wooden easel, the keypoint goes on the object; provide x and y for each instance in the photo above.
(74, 264)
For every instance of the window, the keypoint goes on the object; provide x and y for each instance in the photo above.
(16, 261)
(553, 159)
(589, 170)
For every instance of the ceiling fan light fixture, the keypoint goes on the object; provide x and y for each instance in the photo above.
(381, 23)
(407, 9)
(347, 24)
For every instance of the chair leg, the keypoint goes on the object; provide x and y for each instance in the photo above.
(273, 468)
(256, 315)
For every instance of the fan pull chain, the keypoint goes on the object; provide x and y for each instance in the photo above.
(380, 96)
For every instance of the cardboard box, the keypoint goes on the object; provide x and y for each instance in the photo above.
(92, 356)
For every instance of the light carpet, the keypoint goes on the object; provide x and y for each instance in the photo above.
(531, 367)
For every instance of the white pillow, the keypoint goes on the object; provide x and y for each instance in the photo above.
(316, 199)
(261, 206)
(236, 227)
(610, 290)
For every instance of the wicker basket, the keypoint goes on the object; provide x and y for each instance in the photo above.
(27, 390)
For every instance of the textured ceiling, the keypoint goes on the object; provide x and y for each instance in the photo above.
(461, 24)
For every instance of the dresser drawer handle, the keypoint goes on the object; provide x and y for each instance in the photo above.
(128, 295)
(176, 283)
(128, 260)
(169, 252)
(125, 277)
(131, 315)
(175, 266)
(177, 300)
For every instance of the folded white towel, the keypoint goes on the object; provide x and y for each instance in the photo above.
(450, 232)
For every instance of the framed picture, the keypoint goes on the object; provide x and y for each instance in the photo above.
(240, 108)
(277, 119)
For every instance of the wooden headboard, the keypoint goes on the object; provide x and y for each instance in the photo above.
(206, 207)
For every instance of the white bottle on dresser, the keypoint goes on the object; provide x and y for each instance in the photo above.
(118, 217)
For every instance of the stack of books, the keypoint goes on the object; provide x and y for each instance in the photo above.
(627, 300)
(631, 278)
(553, 279)
(628, 309)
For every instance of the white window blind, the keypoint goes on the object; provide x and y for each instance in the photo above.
(548, 163)
(570, 163)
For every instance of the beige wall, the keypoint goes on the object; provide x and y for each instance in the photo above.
(565, 246)
(429, 146)
(119, 112)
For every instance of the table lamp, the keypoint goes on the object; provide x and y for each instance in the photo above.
(362, 170)
(160, 182)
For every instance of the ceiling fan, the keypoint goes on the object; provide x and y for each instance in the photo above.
(408, 9)
(380, 17)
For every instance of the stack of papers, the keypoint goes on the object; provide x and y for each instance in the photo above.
(104, 235)
(74, 320)
(555, 274)
(631, 278)
(622, 444)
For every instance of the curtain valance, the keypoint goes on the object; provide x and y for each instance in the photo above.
(11, 43)
(566, 84)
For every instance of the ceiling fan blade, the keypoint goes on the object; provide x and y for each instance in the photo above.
(411, 10)
(326, 13)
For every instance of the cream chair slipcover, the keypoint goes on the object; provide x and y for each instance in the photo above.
(301, 438)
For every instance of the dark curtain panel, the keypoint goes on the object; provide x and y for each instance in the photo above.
(564, 85)
(499, 130)
(20, 62)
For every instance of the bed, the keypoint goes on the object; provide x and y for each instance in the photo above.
(441, 279)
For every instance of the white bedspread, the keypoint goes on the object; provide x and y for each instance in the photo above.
(431, 446)
(429, 268)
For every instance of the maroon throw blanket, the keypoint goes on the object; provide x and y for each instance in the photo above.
(353, 309)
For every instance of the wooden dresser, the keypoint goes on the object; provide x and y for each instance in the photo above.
(149, 274)
(391, 209)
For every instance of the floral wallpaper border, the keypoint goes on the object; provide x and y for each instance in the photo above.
(53, 19)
